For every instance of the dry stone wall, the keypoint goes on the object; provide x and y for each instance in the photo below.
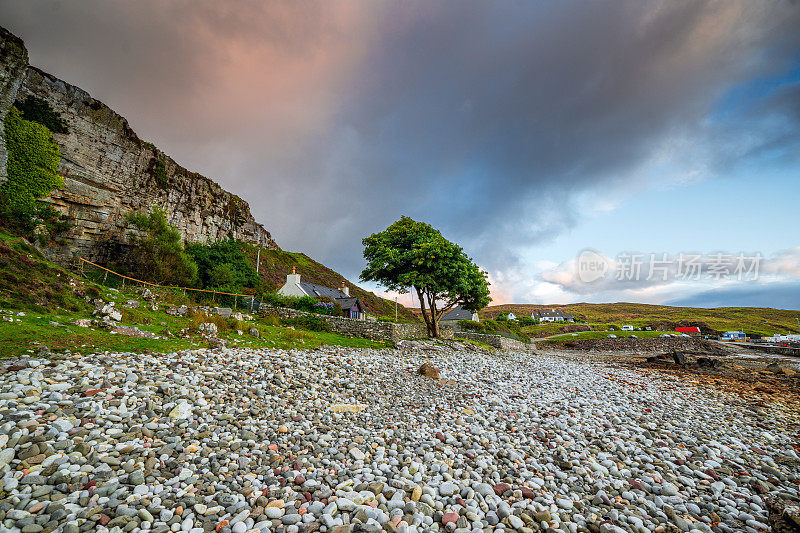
(108, 172)
(367, 329)
(497, 341)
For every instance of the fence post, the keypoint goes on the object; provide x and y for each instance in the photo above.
(105, 276)
(123, 284)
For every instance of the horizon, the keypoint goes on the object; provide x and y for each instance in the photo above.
(598, 170)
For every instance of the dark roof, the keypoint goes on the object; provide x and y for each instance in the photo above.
(458, 313)
(321, 291)
(348, 303)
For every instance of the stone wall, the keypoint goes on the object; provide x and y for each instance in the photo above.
(367, 329)
(497, 341)
(108, 172)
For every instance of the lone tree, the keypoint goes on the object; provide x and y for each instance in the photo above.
(411, 255)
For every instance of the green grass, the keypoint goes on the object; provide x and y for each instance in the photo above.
(757, 320)
(26, 334)
(29, 282)
(45, 293)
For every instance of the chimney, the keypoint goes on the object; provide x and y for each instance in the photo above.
(294, 277)
(345, 289)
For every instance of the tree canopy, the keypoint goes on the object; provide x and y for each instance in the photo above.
(158, 250)
(223, 266)
(411, 255)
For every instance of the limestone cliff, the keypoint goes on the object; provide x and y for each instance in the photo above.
(13, 63)
(108, 172)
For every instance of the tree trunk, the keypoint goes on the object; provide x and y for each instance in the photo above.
(434, 319)
(424, 313)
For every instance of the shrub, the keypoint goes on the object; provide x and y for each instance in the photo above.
(310, 323)
(223, 266)
(270, 320)
(527, 321)
(159, 255)
(158, 169)
(32, 167)
(38, 110)
(471, 325)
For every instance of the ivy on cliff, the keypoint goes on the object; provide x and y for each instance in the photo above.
(32, 169)
(158, 169)
(37, 110)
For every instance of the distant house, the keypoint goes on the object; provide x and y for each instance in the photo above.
(512, 316)
(689, 330)
(627, 327)
(351, 305)
(733, 336)
(552, 315)
(458, 313)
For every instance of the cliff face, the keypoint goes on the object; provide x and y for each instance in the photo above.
(13, 64)
(108, 172)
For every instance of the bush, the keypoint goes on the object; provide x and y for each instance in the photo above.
(471, 325)
(158, 169)
(159, 255)
(310, 323)
(38, 110)
(527, 321)
(33, 159)
(223, 266)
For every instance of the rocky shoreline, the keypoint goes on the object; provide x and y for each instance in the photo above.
(342, 439)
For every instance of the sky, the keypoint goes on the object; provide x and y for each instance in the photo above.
(545, 138)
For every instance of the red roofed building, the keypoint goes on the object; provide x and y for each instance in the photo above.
(693, 330)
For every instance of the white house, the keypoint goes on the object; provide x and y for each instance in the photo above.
(350, 304)
(553, 315)
(512, 316)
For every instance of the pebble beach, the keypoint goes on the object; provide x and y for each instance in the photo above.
(348, 440)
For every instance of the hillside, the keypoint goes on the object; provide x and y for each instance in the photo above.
(44, 307)
(757, 320)
(275, 264)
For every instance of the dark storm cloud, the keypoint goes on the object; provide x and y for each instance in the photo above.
(489, 120)
(776, 295)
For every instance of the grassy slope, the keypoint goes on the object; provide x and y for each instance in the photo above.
(46, 301)
(763, 321)
(584, 335)
(275, 264)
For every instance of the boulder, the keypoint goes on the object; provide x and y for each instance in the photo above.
(429, 371)
(708, 362)
(209, 328)
(255, 333)
(784, 515)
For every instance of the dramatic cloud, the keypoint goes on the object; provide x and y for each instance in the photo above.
(496, 122)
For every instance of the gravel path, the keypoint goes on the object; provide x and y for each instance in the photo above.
(341, 440)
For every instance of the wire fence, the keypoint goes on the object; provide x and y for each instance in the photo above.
(115, 280)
